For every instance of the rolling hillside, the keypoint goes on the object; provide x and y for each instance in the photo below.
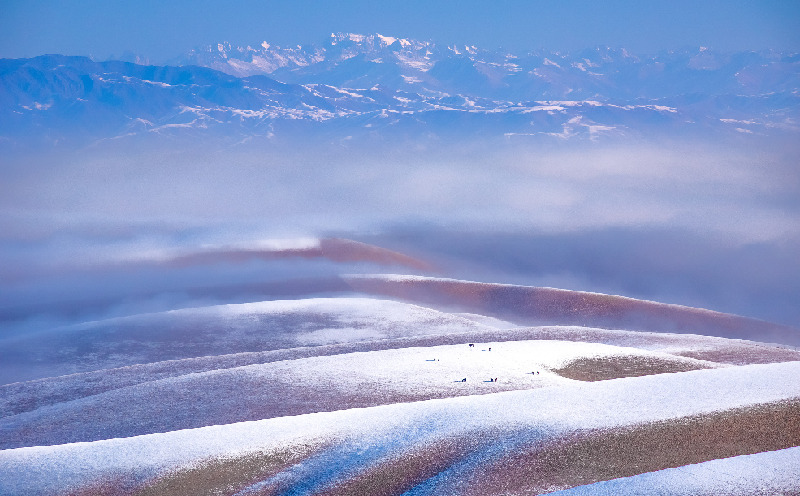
(368, 393)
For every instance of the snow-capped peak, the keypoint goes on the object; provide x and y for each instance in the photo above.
(355, 37)
(374, 41)
(389, 40)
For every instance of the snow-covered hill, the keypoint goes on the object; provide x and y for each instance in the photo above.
(397, 383)
(446, 446)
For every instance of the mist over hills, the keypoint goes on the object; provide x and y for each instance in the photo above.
(381, 88)
(669, 176)
(383, 266)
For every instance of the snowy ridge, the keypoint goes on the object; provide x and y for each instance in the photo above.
(540, 305)
(341, 388)
(224, 329)
(334, 382)
(348, 85)
(586, 405)
(772, 472)
(27, 396)
(585, 72)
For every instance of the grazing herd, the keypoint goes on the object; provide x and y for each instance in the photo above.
(491, 379)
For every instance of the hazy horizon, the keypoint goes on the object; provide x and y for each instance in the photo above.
(161, 31)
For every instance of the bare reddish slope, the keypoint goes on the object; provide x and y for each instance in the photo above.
(334, 249)
(536, 306)
(345, 250)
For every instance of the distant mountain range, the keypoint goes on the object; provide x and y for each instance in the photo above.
(359, 61)
(379, 87)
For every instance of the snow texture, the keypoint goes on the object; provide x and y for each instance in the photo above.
(306, 385)
(536, 413)
(221, 329)
(769, 473)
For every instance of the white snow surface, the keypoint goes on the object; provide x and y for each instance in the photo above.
(352, 319)
(768, 473)
(489, 321)
(605, 404)
(234, 328)
(66, 389)
(377, 377)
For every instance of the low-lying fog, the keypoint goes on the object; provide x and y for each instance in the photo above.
(85, 234)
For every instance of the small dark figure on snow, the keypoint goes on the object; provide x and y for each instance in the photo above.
(464, 380)
(471, 345)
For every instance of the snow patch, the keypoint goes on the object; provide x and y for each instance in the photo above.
(604, 404)
(772, 472)
(550, 62)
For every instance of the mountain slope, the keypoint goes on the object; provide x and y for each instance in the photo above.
(535, 306)
(361, 61)
(378, 87)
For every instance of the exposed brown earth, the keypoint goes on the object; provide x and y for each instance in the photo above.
(224, 476)
(119, 486)
(712, 349)
(346, 250)
(615, 367)
(593, 456)
(741, 355)
(334, 249)
(541, 306)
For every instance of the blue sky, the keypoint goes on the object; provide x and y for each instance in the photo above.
(161, 30)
